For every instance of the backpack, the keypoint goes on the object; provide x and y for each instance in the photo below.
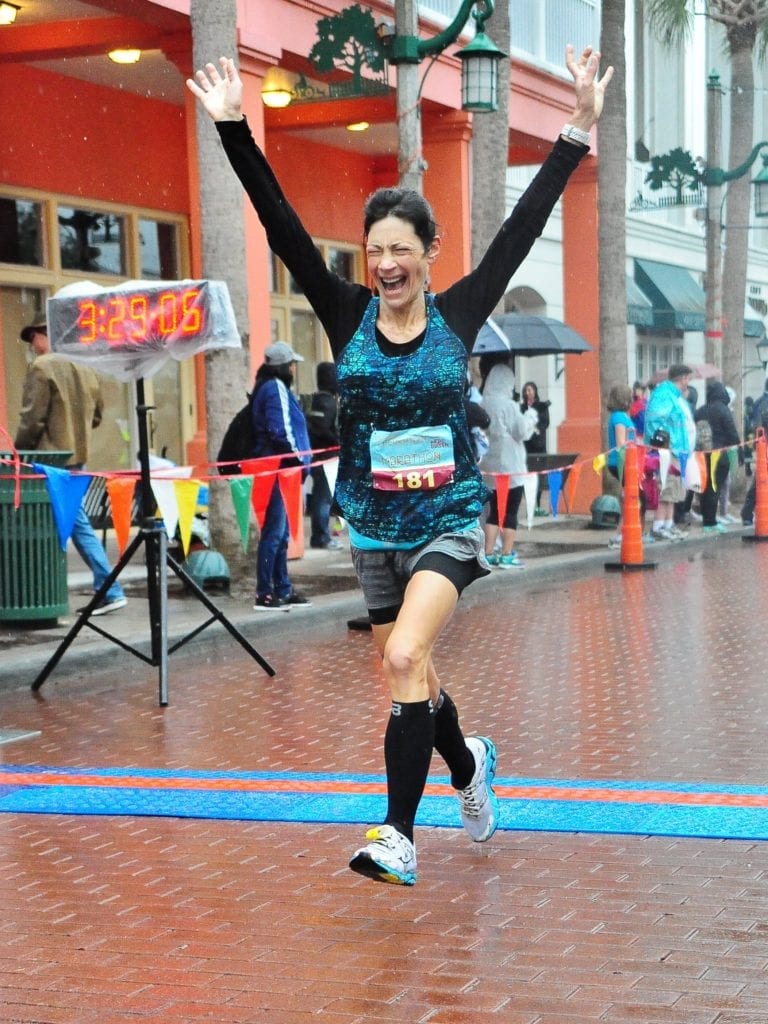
(237, 443)
(703, 436)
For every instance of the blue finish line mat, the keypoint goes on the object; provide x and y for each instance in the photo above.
(542, 805)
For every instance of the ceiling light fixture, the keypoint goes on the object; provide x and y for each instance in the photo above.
(8, 12)
(125, 56)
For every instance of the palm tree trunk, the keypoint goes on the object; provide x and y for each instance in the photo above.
(612, 184)
(737, 211)
(214, 33)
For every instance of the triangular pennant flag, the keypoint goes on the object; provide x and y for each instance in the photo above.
(263, 482)
(572, 483)
(165, 496)
(555, 484)
(66, 493)
(186, 501)
(664, 457)
(598, 463)
(713, 461)
(120, 490)
(331, 470)
(290, 481)
(701, 459)
(530, 487)
(683, 463)
(692, 476)
(621, 455)
(733, 459)
(240, 488)
(502, 496)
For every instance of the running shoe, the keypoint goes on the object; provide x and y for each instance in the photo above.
(492, 560)
(388, 857)
(296, 600)
(270, 603)
(511, 561)
(107, 605)
(479, 804)
(713, 531)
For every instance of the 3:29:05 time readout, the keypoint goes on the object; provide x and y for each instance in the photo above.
(138, 316)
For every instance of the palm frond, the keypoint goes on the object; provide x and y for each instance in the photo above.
(671, 21)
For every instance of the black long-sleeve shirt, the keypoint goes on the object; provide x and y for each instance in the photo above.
(340, 304)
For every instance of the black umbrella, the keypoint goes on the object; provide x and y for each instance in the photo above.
(524, 335)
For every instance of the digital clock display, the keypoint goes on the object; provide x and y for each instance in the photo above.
(129, 330)
(141, 317)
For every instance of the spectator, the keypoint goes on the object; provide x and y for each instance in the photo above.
(537, 442)
(717, 413)
(668, 410)
(620, 430)
(323, 431)
(637, 409)
(61, 405)
(279, 428)
(508, 431)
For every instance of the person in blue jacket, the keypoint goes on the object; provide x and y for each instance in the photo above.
(279, 428)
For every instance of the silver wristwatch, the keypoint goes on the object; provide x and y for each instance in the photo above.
(570, 131)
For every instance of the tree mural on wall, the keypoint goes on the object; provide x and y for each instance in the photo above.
(348, 42)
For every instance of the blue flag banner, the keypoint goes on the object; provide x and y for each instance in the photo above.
(555, 486)
(66, 493)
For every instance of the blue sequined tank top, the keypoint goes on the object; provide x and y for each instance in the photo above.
(395, 393)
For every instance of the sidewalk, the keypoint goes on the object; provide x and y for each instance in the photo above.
(566, 545)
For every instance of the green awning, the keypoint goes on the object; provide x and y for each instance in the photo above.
(676, 298)
(639, 308)
(754, 326)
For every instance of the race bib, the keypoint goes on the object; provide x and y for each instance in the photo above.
(418, 459)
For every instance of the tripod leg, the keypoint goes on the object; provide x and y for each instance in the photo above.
(201, 595)
(85, 614)
(162, 563)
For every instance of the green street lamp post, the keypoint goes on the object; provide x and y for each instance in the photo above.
(403, 47)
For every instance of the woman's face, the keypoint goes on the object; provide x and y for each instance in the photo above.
(529, 395)
(397, 263)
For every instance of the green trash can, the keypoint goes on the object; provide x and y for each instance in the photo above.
(33, 568)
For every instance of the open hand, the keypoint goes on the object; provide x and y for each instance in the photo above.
(220, 93)
(590, 90)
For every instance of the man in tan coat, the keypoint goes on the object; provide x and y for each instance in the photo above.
(61, 404)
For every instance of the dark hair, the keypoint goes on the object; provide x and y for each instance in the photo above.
(405, 203)
(531, 384)
(678, 370)
(269, 371)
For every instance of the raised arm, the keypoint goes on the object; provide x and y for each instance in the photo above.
(220, 92)
(590, 90)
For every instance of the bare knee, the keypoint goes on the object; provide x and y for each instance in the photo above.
(405, 660)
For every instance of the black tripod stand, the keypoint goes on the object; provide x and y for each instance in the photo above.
(153, 537)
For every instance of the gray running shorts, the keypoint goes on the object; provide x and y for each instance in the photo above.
(384, 575)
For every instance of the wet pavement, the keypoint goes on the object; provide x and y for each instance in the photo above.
(581, 676)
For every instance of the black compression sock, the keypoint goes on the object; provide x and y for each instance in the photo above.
(408, 743)
(450, 743)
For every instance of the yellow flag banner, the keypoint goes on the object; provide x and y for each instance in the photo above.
(598, 463)
(186, 502)
(121, 490)
(714, 458)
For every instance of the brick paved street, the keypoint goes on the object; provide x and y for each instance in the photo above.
(650, 677)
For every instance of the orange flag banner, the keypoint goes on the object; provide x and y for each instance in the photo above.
(572, 483)
(290, 481)
(502, 495)
(120, 490)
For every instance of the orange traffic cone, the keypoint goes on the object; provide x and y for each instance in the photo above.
(761, 488)
(631, 527)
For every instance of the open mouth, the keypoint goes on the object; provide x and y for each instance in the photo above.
(391, 284)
